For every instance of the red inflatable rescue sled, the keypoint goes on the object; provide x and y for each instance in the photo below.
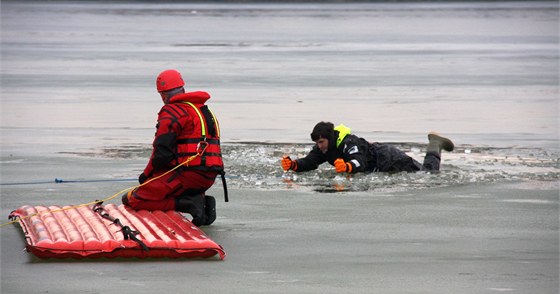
(111, 231)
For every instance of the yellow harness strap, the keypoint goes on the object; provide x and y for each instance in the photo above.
(216, 123)
(202, 124)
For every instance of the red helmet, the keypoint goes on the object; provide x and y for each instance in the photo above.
(169, 79)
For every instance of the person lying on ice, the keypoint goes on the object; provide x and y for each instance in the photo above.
(351, 154)
(187, 133)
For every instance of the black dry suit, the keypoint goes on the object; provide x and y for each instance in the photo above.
(365, 156)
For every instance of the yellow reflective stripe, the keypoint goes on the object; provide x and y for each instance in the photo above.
(199, 116)
(215, 123)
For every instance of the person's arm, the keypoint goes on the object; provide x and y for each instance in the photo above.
(354, 156)
(311, 161)
(164, 143)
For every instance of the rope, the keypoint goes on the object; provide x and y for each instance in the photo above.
(58, 181)
(186, 162)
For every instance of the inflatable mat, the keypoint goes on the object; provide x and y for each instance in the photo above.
(111, 231)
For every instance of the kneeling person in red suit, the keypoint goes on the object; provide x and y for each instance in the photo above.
(187, 134)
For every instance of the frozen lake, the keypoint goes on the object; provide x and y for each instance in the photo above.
(78, 78)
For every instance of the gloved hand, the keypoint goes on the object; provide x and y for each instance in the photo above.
(288, 163)
(342, 166)
(142, 178)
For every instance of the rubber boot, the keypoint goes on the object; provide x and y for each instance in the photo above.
(210, 209)
(193, 205)
(437, 143)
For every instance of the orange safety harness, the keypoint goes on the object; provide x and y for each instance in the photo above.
(214, 145)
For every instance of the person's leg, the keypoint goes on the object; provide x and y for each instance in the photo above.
(193, 204)
(200, 206)
(155, 194)
(436, 143)
(431, 161)
(161, 193)
(193, 200)
(389, 158)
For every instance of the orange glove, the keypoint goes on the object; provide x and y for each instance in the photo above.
(342, 166)
(288, 163)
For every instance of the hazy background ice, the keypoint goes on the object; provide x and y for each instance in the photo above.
(79, 75)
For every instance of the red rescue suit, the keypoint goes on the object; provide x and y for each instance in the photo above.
(186, 131)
